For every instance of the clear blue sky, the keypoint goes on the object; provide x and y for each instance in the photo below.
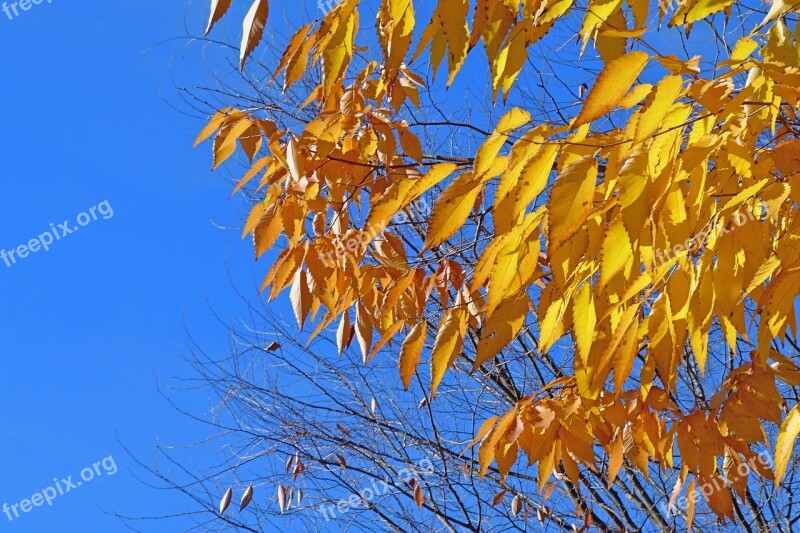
(87, 329)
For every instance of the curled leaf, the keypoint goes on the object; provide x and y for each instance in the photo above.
(247, 497)
(225, 501)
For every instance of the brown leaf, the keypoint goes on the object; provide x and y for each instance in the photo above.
(363, 330)
(516, 505)
(418, 497)
(300, 297)
(218, 9)
(498, 498)
(299, 467)
(225, 501)
(247, 497)
(344, 332)
(253, 29)
(281, 498)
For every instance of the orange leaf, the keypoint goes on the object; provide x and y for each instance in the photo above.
(611, 87)
(410, 352)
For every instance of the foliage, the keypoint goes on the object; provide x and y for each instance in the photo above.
(562, 233)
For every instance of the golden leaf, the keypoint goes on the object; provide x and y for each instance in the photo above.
(410, 353)
(611, 86)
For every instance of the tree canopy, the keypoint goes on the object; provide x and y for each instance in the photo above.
(612, 253)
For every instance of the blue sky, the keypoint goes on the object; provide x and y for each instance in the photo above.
(88, 104)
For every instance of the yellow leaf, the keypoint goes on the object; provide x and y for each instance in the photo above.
(551, 325)
(515, 263)
(410, 352)
(615, 459)
(611, 37)
(787, 158)
(251, 141)
(597, 13)
(452, 209)
(617, 251)
(785, 443)
(448, 345)
(298, 39)
(253, 29)
(225, 141)
(363, 330)
(776, 10)
(657, 108)
(293, 217)
(212, 126)
(611, 86)
(700, 315)
(626, 355)
(765, 271)
(620, 33)
(295, 58)
(533, 179)
(777, 302)
(678, 66)
(487, 425)
(401, 193)
(487, 154)
(570, 202)
(510, 60)
(621, 332)
(486, 451)
(743, 48)
(691, 498)
(411, 145)
(501, 327)
(386, 336)
(337, 50)
(584, 320)
(484, 10)
(395, 27)
(267, 230)
(635, 95)
(448, 28)
(699, 10)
